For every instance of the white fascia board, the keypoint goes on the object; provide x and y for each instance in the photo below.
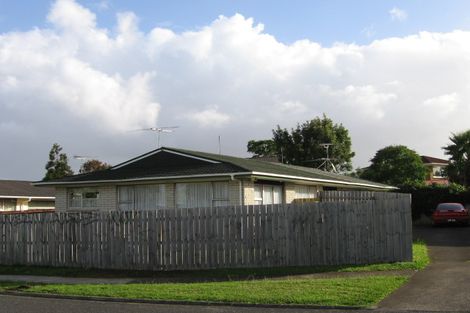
(141, 179)
(319, 180)
(27, 197)
(323, 180)
(158, 151)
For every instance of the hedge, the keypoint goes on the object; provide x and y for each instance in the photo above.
(426, 198)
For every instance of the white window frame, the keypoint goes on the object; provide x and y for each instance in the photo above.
(131, 203)
(81, 201)
(306, 192)
(182, 192)
(262, 190)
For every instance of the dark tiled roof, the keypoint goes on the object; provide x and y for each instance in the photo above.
(22, 188)
(428, 159)
(171, 162)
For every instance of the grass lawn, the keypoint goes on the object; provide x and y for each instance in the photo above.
(359, 291)
(420, 260)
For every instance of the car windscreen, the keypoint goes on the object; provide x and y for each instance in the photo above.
(449, 207)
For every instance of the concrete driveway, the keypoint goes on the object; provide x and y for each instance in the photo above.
(445, 284)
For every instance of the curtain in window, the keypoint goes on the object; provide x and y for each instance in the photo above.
(268, 194)
(220, 194)
(141, 197)
(305, 192)
(194, 195)
(277, 195)
(258, 194)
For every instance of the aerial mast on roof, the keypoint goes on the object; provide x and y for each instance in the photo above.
(159, 130)
(326, 163)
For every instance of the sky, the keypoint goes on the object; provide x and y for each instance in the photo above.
(87, 74)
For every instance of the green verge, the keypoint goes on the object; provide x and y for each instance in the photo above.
(358, 291)
(420, 260)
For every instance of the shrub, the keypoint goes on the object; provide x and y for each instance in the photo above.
(426, 198)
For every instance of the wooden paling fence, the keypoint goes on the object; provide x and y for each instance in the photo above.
(325, 233)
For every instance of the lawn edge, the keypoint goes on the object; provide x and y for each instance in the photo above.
(182, 302)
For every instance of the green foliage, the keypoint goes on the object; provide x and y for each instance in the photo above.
(261, 148)
(458, 169)
(397, 166)
(352, 291)
(302, 145)
(426, 198)
(93, 166)
(420, 261)
(57, 166)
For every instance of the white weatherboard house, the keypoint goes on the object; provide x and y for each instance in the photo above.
(176, 178)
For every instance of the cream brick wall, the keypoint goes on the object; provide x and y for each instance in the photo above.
(107, 199)
(170, 195)
(248, 192)
(289, 193)
(234, 192)
(60, 198)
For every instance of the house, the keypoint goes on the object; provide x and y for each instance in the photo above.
(20, 195)
(169, 177)
(436, 170)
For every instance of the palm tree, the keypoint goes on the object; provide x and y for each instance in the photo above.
(459, 162)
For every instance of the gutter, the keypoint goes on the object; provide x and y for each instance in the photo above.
(27, 197)
(229, 175)
(324, 180)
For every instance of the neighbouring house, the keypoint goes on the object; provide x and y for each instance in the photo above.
(436, 170)
(20, 195)
(169, 178)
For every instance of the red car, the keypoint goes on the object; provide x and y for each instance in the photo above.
(450, 213)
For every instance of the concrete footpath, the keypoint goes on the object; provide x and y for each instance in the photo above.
(445, 284)
(184, 279)
(64, 280)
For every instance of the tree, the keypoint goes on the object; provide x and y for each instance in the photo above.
(57, 166)
(261, 148)
(397, 166)
(93, 166)
(458, 169)
(303, 145)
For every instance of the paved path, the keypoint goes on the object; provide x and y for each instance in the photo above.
(164, 279)
(445, 284)
(16, 304)
(65, 280)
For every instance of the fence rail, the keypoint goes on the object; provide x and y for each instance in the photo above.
(326, 233)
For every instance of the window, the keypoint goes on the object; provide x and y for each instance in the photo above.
(8, 204)
(141, 197)
(83, 199)
(306, 192)
(439, 172)
(210, 194)
(268, 194)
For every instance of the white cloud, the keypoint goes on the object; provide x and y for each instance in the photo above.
(397, 14)
(84, 86)
(443, 104)
(210, 118)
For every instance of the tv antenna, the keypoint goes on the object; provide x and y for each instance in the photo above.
(83, 157)
(326, 163)
(159, 131)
